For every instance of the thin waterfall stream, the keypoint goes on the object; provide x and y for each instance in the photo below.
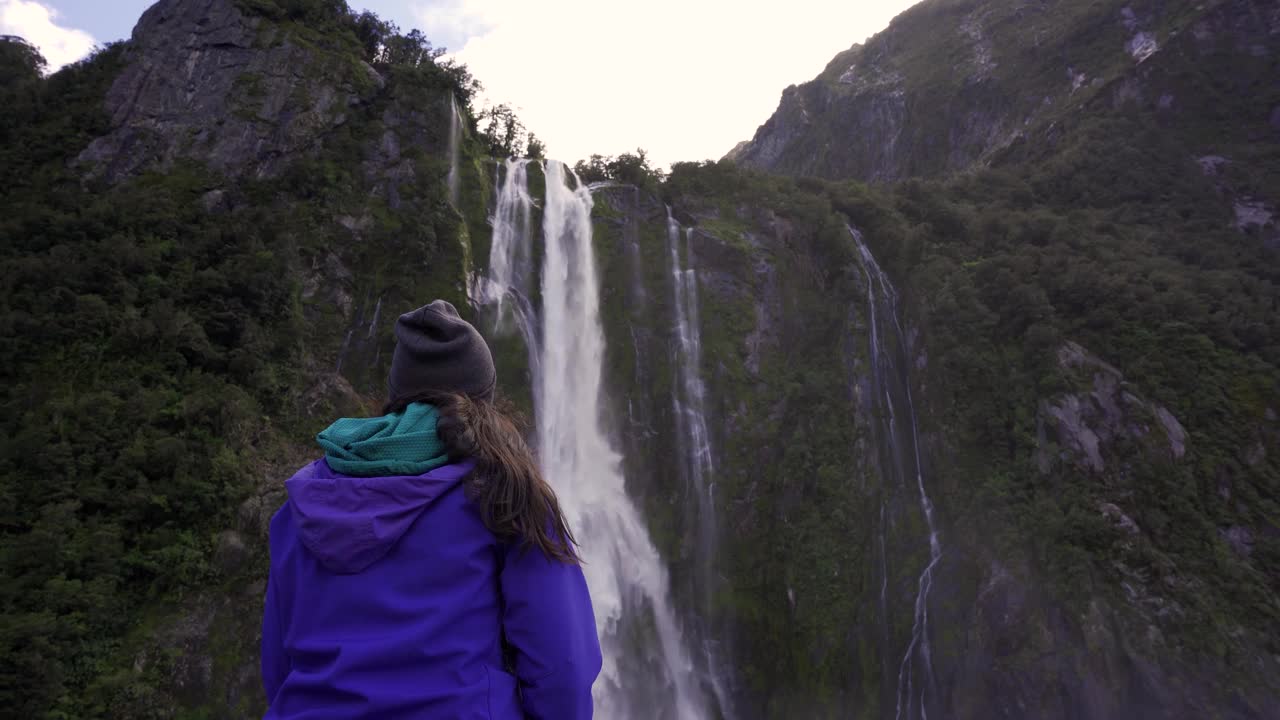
(455, 144)
(689, 400)
(694, 439)
(900, 442)
(648, 672)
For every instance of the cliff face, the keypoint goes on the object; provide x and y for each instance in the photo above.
(952, 83)
(207, 81)
(821, 538)
(1158, 117)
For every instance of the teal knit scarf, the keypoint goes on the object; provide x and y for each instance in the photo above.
(398, 444)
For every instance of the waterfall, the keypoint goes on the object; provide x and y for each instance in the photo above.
(647, 671)
(373, 324)
(692, 437)
(455, 142)
(900, 442)
(509, 285)
(689, 399)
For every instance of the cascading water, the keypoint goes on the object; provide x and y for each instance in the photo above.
(689, 400)
(899, 458)
(692, 437)
(647, 670)
(509, 285)
(455, 143)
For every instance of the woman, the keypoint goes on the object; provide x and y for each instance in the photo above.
(423, 568)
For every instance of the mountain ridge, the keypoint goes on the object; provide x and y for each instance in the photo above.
(860, 107)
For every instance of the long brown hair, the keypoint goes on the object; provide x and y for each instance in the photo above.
(515, 501)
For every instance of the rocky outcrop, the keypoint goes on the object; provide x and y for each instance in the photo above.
(207, 82)
(952, 83)
(877, 112)
(1011, 642)
(1089, 423)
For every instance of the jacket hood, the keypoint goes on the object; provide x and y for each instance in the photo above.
(349, 523)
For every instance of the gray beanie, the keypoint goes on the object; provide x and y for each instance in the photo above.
(437, 350)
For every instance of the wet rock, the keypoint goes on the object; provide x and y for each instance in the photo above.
(1078, 79)
(1173, 429)
(331, 395)
(1239, 538)
(786, 126)
(1251, 212)
(253, 517)
(1211, 165)
(1117, 518)
(335, 269)
(1129, 18)
(1255, 455)
(329, 281)
(1075, 433)
(356, 226)
(1087, 423)
(215, 201)
(230, 553)
(1142, 46)
(202, 82)
(1044, 462)
(982, 50)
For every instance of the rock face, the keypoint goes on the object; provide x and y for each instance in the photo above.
(1087, 423)
(781, 315)
(897, 107)
(768, 340)
(206, 81)
(951, 83)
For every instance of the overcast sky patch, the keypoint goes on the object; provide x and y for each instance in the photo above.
(38, 24)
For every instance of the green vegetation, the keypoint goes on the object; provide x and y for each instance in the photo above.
(335, 26)
(997, 274)
(629, 168)
(157, 352)
(144, 341)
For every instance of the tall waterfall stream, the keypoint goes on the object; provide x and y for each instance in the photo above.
(898, 438)
(654, 676)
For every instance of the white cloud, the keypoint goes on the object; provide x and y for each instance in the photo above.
(448, 23)
(36, 23)
(684, 79)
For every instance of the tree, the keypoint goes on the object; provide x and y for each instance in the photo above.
(465, 86)
(20, 58)
(504, 134)
(633, 169)
(372, 32)
(22, 67)
(410, 50)
(536, 149)
(595, 169)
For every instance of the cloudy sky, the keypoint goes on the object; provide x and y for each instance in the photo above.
(683, 79)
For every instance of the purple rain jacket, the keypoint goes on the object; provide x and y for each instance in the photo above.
(388, 598)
